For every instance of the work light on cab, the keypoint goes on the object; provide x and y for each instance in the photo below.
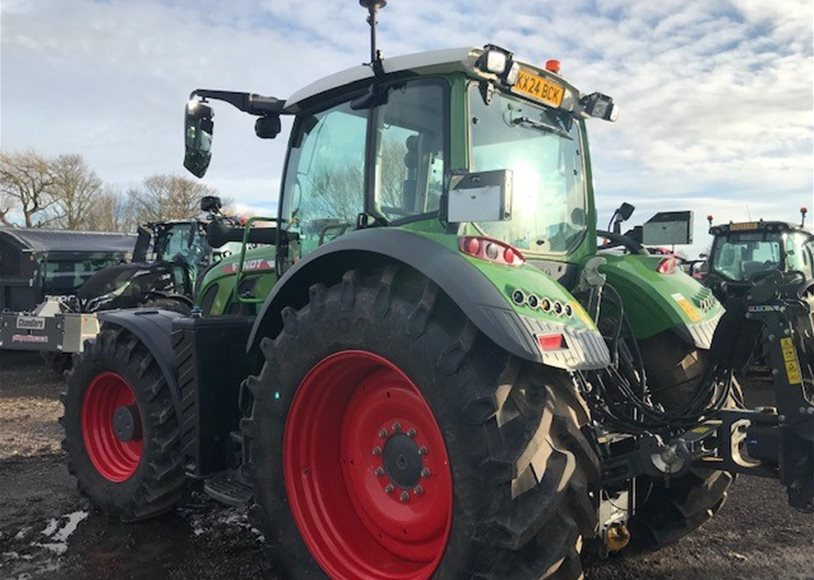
(499, 61)
(599, 106)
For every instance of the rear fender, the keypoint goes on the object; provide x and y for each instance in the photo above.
(154, 329)
(656, 302)
(480, 289)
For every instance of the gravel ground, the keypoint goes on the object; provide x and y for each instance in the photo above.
(47, 530)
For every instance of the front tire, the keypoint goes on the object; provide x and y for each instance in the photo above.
(379, 386)
(121, 429)
(668, 511)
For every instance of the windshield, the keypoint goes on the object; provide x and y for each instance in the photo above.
(542, 148)
(739, 256)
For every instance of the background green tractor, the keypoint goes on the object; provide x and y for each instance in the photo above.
(447, 379)
(744, 250)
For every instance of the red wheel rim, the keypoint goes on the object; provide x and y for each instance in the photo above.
(366, 470)
(114, 459)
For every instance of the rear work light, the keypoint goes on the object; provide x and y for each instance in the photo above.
(666, 265)
(490, 250)
(549, 342)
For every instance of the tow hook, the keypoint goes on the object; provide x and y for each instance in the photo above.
(617, 536)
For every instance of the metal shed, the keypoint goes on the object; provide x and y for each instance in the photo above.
(36, 262)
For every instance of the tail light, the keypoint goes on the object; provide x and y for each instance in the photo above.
(549, 342)
(666, 265)
(491, 250)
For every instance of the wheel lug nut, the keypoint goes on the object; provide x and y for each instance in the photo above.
(411, 433)
(426, 472)
(418, 490)
(404, 496)
(422, 450)
(377, 451)
(378, 472)
(389, 488)
(396, 427)
(383, 433)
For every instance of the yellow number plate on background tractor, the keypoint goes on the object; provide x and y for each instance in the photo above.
(743, 227)
(541, 89)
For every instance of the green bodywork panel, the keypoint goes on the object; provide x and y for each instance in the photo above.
(258, 267)
(655, 302)
(507, 279)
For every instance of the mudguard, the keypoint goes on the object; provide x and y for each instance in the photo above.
(475, 290)
(154, 329)
(656, 302)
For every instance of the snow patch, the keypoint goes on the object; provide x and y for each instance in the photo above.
(59, 536)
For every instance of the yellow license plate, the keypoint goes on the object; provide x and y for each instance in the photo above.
(743, 227)
(541, 89)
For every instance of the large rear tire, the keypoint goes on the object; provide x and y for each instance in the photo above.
(388, 438)
(121, 429)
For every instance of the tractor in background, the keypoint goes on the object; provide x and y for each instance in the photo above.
(171, 263)
(434, 372)
(742, 251)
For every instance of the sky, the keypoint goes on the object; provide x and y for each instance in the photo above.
(716, 97)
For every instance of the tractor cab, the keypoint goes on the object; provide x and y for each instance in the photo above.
(469, 141)
(746, 251)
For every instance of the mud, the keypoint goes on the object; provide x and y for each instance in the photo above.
(48, 530)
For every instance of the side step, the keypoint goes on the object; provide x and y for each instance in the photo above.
(227, 487)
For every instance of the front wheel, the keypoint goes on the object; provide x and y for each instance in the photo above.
(388, 438)
(121, 429)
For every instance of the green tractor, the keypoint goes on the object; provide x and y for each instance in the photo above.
(434, 373)
(744, 250)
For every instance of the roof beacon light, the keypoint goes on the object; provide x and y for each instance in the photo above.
(803, 212)
(553, 65)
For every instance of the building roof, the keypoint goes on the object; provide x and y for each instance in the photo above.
(41, 240)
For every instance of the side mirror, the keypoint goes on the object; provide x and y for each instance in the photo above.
(484, 196)
(625, 211)
(211, 203)
(198, 131)
(145, 236)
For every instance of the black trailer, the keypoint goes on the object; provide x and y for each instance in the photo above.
(36, 263)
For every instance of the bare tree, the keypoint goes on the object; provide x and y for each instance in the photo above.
(167, 197)
(76, 189)
(111, 212)
(26, 181)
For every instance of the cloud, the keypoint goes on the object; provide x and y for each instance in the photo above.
(717, 98)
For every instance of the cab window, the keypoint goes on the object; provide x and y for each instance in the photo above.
(410, 150)
(324, 190)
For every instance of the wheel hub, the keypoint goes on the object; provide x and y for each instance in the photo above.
(126, 423)
(402, 462)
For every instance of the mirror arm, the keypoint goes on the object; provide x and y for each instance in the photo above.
(247, 102)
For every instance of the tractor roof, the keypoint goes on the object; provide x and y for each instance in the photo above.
(758, 226)
(433, 62)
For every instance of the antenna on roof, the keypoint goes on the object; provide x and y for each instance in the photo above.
(375, 54)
